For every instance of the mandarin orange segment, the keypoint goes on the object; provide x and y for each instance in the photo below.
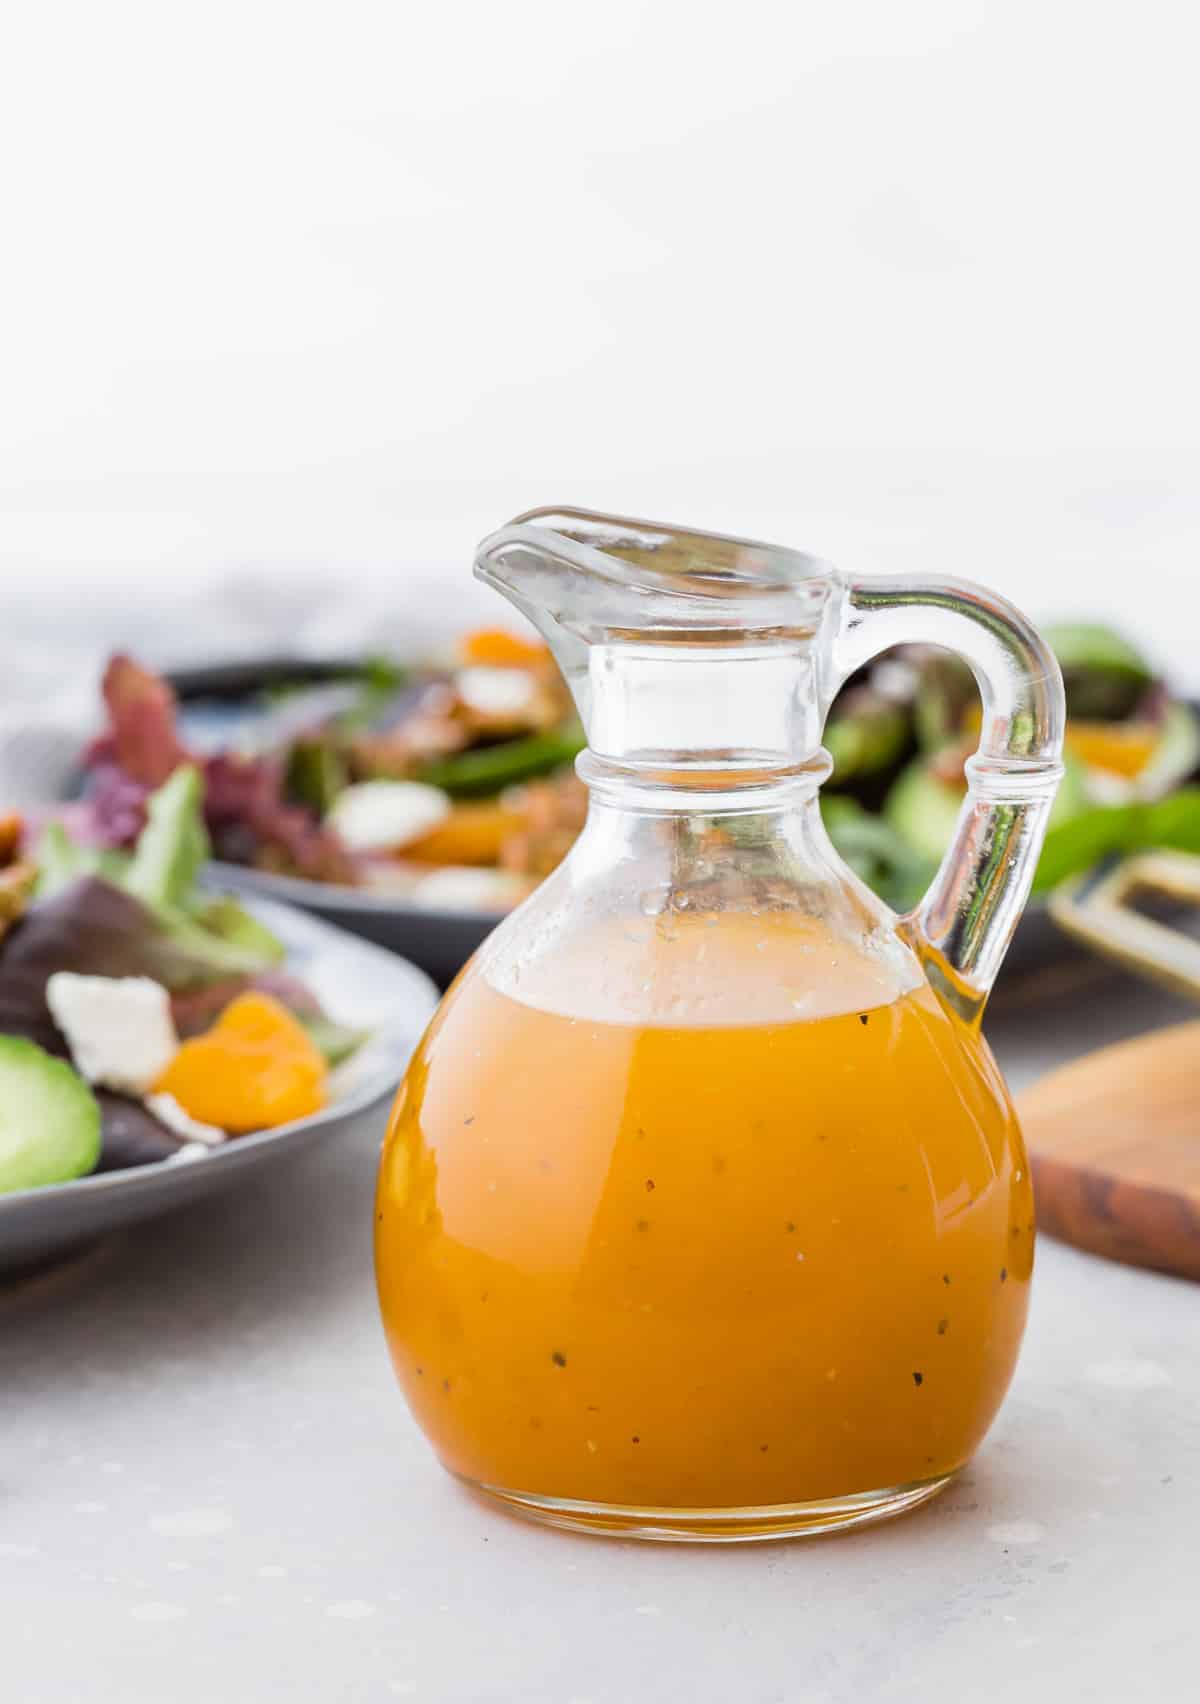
(471, 834)
(1122, 748)
(255, 1068)
(497, 648)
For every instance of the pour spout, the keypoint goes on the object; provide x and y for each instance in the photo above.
(647, 622)
(528, 563)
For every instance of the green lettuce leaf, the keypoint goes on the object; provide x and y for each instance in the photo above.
(173, 845)
(60, 862)
(1077, 845)
(162, 874)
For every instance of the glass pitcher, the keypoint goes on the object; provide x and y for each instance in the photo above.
(703, 1211)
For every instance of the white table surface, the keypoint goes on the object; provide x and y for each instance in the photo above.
(210, 1489)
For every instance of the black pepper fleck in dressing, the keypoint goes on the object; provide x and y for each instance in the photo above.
(559, 1359)
(918, 1379)
(864, 1017)
(1003, 1273)
(943, 1327)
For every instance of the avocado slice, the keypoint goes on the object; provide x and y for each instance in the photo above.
(1177, 755)
(865, 735)
(49, 1118)
(1104, 675)
(1092, 645)
(924, 809)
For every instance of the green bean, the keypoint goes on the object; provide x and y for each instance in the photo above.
(490, 769)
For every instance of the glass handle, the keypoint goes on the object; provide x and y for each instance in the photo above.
(963, 925)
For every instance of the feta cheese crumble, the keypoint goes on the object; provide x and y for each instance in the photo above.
(495, 692)
(185, 1155)
(119, 1028)
(378, 816)
(169, 1112)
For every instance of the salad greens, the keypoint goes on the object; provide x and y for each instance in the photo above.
(172, 847)
(495, 732)
(111, 914)
(891, 806)
(1081, 841)
(877, 852)
(61, 861)
(215, 936)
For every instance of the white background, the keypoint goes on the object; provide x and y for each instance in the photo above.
(298, 301)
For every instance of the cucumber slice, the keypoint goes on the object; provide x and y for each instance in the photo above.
(49, 1118)
(1103, 673)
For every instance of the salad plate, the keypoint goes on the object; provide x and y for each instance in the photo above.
(436, 938)
(359, 984)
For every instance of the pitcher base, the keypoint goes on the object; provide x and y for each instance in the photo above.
(715, 1526)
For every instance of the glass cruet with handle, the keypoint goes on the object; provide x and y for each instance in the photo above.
(703, 1211)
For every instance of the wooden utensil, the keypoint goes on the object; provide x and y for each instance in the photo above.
(1114, 1141)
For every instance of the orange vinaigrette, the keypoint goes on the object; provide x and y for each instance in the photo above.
(668, 1263)
(703, 1212)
